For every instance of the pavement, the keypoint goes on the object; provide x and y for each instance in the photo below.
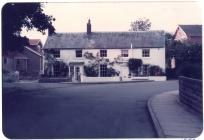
(172, 119)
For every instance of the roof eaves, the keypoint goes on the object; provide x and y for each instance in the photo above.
(33, 51)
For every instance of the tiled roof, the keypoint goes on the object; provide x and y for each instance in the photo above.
(111, 40)
(34, 41)
(192, 30)
(33, 44)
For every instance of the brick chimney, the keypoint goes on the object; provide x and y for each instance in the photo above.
(89, 27)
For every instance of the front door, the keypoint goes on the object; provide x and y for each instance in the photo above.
(77, 74)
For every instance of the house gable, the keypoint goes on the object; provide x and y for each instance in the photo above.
(180, 35)
(189, 34)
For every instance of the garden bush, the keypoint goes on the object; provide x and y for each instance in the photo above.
(134, 64)
(155, 71)
(91, 71)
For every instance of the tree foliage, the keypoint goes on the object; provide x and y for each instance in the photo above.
(142, 24)
(188, 59)
(16, 16)
(168, 39)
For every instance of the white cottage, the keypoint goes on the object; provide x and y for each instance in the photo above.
(105, 56)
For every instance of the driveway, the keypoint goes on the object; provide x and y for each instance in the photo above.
(37, 110)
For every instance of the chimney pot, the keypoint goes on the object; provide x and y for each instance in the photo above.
(89, 27)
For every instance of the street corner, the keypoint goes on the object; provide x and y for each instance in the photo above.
(171, 119)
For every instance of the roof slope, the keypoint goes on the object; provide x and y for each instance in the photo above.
(35, 45)
(105, 40)
(192, 30)
(34, 41)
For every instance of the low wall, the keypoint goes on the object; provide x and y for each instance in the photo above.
(116, 79)
(99, 79)
(157, 78)
(151, 78)
(190, 93)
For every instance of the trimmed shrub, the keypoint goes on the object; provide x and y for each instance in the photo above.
(155, 71)
(134, 64)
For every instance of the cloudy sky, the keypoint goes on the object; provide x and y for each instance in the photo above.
(117, 16)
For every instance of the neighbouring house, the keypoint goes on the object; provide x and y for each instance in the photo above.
(29, 62)
(106, 56)
(190, 34)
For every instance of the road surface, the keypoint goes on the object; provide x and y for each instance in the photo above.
(119, 110)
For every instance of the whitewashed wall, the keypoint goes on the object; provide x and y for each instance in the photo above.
(157, 55)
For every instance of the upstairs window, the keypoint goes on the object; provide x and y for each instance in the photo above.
(124, 53)
(56, 53)
(78, 53)
(146, 53)
(103, 53)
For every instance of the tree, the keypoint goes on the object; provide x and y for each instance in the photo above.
(142, 24)
(168, 39)
(16, 16)
(169, 48)
(188, 59)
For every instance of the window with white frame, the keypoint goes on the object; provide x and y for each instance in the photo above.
(124, 53)
(103, 53)
(103, 70)
(146, 53)
(78, 53)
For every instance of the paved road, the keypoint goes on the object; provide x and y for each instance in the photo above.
(81, 111)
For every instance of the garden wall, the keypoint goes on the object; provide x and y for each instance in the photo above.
(157, 78)
(117, 79)
(190, 93)
(99, 79)
(151, 78)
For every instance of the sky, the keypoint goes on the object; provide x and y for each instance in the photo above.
(117, 16)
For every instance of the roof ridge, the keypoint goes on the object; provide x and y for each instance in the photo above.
(151, 31)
